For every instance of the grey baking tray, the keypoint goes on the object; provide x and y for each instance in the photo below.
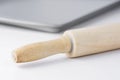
(52, 15)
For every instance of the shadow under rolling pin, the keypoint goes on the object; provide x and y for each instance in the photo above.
(75, 43)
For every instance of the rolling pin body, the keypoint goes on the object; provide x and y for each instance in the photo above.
(79, 42)
(93, 40)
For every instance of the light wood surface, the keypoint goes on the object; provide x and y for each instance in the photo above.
(75, 43)
(40, 50)
(92, 40)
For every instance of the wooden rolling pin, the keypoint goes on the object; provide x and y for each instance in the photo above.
(75, 43)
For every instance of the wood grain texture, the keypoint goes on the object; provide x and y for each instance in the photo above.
(40, 50)
(75, 43)
(93, 40)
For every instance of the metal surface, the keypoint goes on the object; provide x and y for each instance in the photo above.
(64, 24)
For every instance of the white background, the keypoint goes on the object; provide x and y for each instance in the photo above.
(104, 66)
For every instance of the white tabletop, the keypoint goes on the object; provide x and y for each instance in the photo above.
(104, 66)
